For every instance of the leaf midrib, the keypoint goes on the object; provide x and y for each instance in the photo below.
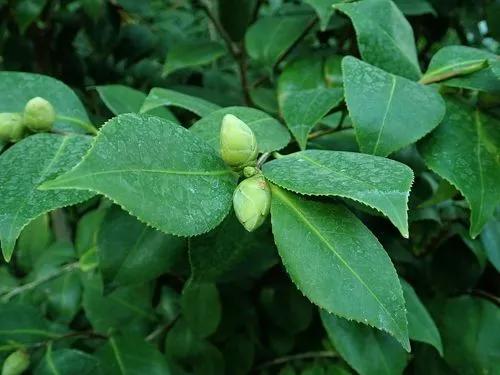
(277, 191)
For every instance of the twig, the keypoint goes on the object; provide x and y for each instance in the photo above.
(486, 295)
(161, 329)
(62, 230)
(31, 285)
(262, 159)
(296, 357)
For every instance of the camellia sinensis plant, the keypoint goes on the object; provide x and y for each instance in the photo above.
(249, 187)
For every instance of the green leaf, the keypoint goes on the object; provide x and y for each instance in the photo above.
(201, 308)
(130, 252)
(388, 112)
(470, 337)
(365, 349)
(235, 16)
(87, 229)
(23, 323)
(304, 98)
(421, 327)
(270, 134)
(122, 99)
(127, 309)
(157, 171)
(385, 38)
(27, 11)
(465, 150)
(490, 238)
(124, 355)
(192, 53)
(337, 262)
(67, 361)
(71, 115)
(378, 182)
(33, 240)
(269, 38)
(452, 61)
(229, 246)
(23, 167)
(324, 10)
(159, 97)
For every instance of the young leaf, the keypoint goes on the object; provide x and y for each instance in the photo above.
(337, 262)
(71, 115)
(67, 361)
(130, 252)
(201, 308)
(187, 54)
(124, 355)
(465, 67)
(421, 327)
(377, 182)
(385, 38)
(159, 97)
(123, 99)
(157, 171)
(470, 337)
(270, 134)
(32, 161)
(464, 149)
(270, 37)
(453, 61)
(388, 112)
(304, 109)
(365, 349)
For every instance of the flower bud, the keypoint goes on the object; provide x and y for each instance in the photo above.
(238, 145)
(252, 201)
(11, 127)
(39, 115)
(250, 171)
(16, 363)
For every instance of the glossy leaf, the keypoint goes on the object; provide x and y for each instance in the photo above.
(269, 38)
(470, 339)
(193, 53)
(130, 252)
(123, 99)
(452, 61)
(157, 171)
(201, 308)
(159, 97)
(67, 361)
(365, 349)
(124, 355)
(464, 150)
(377, 182)
(385, 38)
(421, 327)
(334, 259)
(71, 115)
(415, 7)
(270, 134)
(388, 111)
(23, 168)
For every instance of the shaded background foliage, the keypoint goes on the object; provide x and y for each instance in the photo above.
(95, 308)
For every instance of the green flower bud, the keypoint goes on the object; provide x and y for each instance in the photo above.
(252, 202)
(238, 145)
(250, 171)
(16, 363)
(11, 127)
(39, 115)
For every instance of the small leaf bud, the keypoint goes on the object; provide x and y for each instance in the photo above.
(39, 115)
(11, 127)
(252, 202)
(16, 363)
(238, 145)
